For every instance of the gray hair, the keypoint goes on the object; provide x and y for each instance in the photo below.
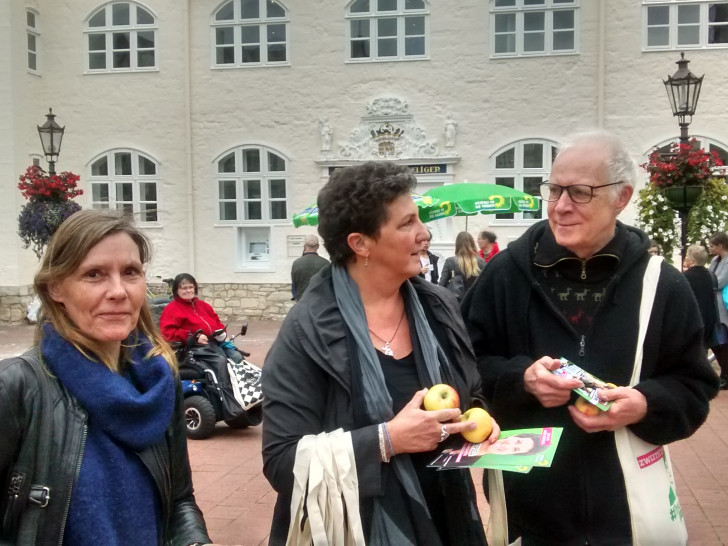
(697, 254)
(621, 167)
(311, 241)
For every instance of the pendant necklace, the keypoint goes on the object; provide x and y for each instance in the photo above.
(386, 349)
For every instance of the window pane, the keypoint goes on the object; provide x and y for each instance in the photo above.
(534, 2)
(224, 35)
(251, 161)
(100, 167)
(533, 21)
(533, 156)
(252, 189)
(226, 12)
(414, 26)
(226, 164)
(253, 210)
(414, 46)
(414, 4)
(122, 164)
(225, 55)
(387, 27)
(124, 191)
(563, 40)
(122, 59)
(506, 160)
(387, 5)
(145, 40)
(505, 43)
(119, 14)
(249, 9)
(658, 36)
(533, 41)
(251, 54)
(277, 53)
(274, 9)
(32, 61)
(531, 186)
(505, 22)
(148, 212)
(100, 193)
(277, 189)
(97, 61)
(147, 191)
(360, 49)
(276, 162)
(228, 211)
(31, 42)
(227, 189)
(250, 34)
(96, 42)
(360, 6)
(360, 29)
(278, 210)
(144, 17)
(120, 40)
(718, 13)
(658, 15)
(146, 166)
(504, 3)
(563, 20)
(276, 33)
(510, 182)
(688, 14)
(688, 35)
(99, 19)
(718, 34)
(387, 48)
(30, 19)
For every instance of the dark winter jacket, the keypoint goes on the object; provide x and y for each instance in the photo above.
(312, 383)
(513, 322)
(166, 461)
(451, 269)
(434, 258)
(703, 284)
(303, 269)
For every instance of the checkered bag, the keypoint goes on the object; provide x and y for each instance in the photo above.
(245, 378)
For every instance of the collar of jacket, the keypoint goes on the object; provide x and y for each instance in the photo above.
(184, 301)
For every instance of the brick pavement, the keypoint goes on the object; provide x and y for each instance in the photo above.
(238, 502)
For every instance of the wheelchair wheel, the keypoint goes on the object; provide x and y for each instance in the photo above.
(199, 417)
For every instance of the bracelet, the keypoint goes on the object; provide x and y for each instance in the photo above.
(382, 447)
(392, 453)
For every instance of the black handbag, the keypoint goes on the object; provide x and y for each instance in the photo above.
(26, 491)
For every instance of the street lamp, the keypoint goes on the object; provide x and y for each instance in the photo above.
(683, 90)
(51, 135)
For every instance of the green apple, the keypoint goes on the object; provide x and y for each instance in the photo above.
(441, 396)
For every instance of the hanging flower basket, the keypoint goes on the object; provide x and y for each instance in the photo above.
(682, 198)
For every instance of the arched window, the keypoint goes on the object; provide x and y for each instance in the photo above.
(126, 180)
(252, 186)
(250, 33)
(523, 165)
(121, 37)
(387, 30)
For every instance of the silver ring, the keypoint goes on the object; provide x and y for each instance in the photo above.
(444, 434)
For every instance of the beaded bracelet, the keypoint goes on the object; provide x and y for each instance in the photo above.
(392, 453)
(382, 447)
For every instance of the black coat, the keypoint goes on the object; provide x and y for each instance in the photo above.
(513, 322)
(704, 285)
(311, 382)
(166, 460)
(435, 273)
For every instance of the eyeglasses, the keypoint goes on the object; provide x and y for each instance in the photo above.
(579, 193)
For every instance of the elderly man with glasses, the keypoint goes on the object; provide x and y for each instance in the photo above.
(571, 287)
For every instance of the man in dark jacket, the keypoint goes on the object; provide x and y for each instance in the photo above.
(704, 284)
(571, 287)
(306, 266)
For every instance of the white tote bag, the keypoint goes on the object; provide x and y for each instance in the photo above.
(653, 504)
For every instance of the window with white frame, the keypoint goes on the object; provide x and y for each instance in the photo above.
(533, 27)
(31, 29)
(524, 165)
(121, 37)
(126, 180)
(387, 30)
(250, 33)
(685, 24)
(252, 186)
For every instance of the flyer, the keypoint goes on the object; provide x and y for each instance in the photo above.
(591, 386)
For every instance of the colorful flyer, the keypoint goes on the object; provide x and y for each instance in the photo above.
(592, 384)
(514, 451)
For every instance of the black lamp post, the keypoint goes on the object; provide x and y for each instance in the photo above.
(683, 91)
(51, 135)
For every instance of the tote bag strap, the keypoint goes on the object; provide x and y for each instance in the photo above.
(649, 288)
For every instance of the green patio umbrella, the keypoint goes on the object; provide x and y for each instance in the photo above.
(467, 199)
(309, 215)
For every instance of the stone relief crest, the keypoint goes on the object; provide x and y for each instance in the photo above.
(389, 131)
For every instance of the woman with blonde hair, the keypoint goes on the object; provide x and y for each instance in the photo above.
(92, 419)
(460, 271)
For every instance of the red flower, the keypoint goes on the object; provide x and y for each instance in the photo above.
(36, 184)
(684, 165)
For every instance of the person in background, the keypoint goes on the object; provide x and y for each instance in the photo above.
(118, 471)
(487, 245)
(718, 247)
(703, 284)
(428, 261)
(187, 313)
(654, 248)
(306, 266)
(571, 286)
(466, 264)
(358, 353)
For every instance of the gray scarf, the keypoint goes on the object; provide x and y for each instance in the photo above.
(377, 401)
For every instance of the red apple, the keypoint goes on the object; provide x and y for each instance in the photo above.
(586, 407)
(441, 396)
(485, 425)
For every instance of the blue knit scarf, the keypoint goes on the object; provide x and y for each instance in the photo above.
(114, 500)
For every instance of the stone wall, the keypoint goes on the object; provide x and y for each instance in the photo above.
(233, 302)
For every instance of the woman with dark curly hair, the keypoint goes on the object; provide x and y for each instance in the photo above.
(351, 366)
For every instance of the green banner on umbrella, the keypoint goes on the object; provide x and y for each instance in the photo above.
(466, 199)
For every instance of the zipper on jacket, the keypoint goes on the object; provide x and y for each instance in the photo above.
(583, 270)
(194, 308)
(582, 346)
(70, 487)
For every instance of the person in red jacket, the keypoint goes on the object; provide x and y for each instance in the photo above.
(488, 246)
(187, 313)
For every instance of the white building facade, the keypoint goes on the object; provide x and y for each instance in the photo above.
(212, 122)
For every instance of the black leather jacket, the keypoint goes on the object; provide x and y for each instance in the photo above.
(167, 460)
